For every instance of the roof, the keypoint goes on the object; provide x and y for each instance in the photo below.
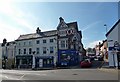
(112, 28)
(36, 35)
(80, 32)
(74, 24)
(69, 25)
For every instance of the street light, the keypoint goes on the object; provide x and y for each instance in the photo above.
(105, 25)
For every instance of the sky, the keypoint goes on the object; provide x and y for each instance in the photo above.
(17, 18)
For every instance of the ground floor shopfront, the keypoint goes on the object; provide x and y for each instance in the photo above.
(68, 58)
(30, 61)
(65, 58)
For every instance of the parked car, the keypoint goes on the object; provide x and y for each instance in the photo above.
(86, 63)
(92, 58)
(100, 58)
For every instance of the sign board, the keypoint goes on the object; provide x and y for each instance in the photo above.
(116, 44)
(111, 48)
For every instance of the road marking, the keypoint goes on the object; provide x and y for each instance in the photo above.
(21, 76)
(109, 70)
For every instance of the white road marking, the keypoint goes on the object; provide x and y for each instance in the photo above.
(21, 76)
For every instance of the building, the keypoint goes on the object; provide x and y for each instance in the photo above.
(104, 50)
(62, 46)
(70, 47)
(0, 56)
(36, 50)
(8, 54)
(97, 48)
(113, 36)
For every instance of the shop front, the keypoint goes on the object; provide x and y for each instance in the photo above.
(24, 61)
(118, 59)
(67, 58)
(44, 61)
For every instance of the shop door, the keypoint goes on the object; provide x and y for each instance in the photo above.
(40, 62)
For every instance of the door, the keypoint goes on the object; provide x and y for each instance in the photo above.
(40, 62)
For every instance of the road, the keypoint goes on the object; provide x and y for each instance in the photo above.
(60, 74)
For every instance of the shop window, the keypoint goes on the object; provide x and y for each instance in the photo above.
(24, 61)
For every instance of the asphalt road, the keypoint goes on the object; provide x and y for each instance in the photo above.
(61, 74)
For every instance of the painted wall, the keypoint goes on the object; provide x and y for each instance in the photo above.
(33, 45)
(0, 56)
(111, 38)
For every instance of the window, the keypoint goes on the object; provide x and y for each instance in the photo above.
(30, 50)
(44, 41)
(37, 42)
(24, 51)
(44, 50)
(51, 40)
(51, 49)
(19, 51)
(24, 43)
(19, 44)
(66, 43)
(37, 50)
(62, 44)
(29, 42)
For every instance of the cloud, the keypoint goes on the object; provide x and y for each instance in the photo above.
(14, 21)
(92, 44)
(66, 0)
(90, 26)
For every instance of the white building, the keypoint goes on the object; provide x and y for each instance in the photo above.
(42, 46)
(0, 56)
(41, 49)
(113, 35)
(8, 54)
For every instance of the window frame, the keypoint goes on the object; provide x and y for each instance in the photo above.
(24, 51)
(37, 50)
(37, 41)
(51, 40)
(51, 49)
(44, 50)
(44, 41)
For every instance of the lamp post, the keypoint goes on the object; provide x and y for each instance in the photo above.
(33, 60)
(105, 25)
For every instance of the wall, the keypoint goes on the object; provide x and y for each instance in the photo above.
(33, 45)
(111, 38)
(0, 56)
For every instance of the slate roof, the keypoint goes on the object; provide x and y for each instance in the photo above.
(36, 35)
(113, 27)
(46, 33)
(73, 24)
(69, 25)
